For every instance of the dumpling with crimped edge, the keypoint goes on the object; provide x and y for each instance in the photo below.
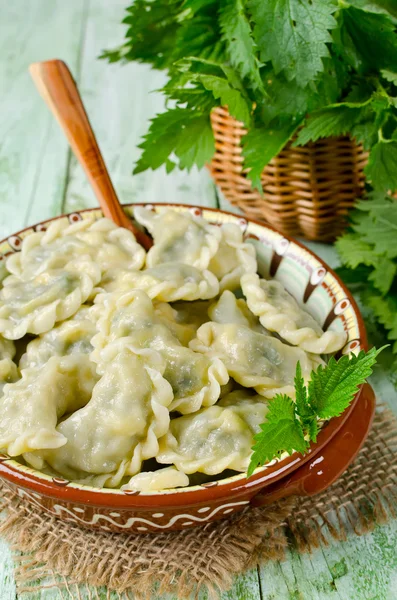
(183, 318)
(233, 258)
(279, 312)
(229, 309)
(130, 320)
(110, 246)
(9, 372)
(120, 426)
(215, 438)
(167, 282)
(31, 407)
(178, 237)
(72, 336)
(35, 305)
(154, 481)
(254, 359)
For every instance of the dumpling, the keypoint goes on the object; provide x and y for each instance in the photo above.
(253, 359)
(152, 481)
(120, 425)
(178, 237)
(233, 258)
(8, 369)
(70, 337)
(130, 320)
(214, 438)
(278, 311)
(183, 318)
(7, 348)
(229, 309)
(110, 246)
(31, 407)
(35, 305)
(167, 282)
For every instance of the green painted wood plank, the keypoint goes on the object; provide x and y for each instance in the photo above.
(7, 584)
(33, 152)
(120, 101)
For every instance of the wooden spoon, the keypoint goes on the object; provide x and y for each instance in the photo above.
(56, 85)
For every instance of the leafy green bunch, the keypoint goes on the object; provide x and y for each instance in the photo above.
(368, 252)
(328, 67)
(291, 426)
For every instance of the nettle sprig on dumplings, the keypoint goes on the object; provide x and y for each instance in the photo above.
(291, 426)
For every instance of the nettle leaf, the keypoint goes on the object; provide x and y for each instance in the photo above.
(387, 7)
(186, 133)
(242, 50)
(290, 425)
(294, 35)
(379, 229)
(383, 274)
(230, 97)
(353, 251)
(390, 76)
(223, 82)
(334, 120)
(384, 308)
(199, 37)
(373, 36)
(196, 146)
(332, 388)
(283, 435)
(382, 165)
(261, 144)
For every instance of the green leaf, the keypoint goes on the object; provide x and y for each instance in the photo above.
(353, 251)
(384, 309)
(390, 76)
(222, 81)
(330, 391)
(230, 97)
(332, 388)
(261, 144)
(300, 393)
(373, 36)
(330, 121)
(178, 130)
(284, 435)
(383, 275)
(236, 32)
(382, 165)
(280, 407)
(378, 227)
(293, 35)
(199, 37)
(196, 146)
(152, 30)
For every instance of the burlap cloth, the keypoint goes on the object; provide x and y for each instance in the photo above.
(50, 553)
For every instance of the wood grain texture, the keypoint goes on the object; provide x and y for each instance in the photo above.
(120, 100)
(58, 89)
(33, 151)
(38, 179)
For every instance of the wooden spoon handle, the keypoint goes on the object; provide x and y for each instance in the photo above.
(56, 85)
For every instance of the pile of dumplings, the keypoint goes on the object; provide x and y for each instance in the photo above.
(145, 371)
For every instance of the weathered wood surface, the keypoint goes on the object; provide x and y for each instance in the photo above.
(39, 178)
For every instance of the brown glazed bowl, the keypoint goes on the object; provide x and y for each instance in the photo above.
(312, 283)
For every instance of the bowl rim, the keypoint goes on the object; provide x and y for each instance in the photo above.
(63, 489)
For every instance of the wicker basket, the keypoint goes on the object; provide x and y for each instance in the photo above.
(307, 190)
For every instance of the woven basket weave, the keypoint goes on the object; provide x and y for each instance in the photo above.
(307, 190)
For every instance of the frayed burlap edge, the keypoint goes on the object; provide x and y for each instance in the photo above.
(59, 554)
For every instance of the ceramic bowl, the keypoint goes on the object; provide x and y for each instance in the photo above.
(323, 295)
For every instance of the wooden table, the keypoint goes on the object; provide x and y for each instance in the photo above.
(39, 178)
